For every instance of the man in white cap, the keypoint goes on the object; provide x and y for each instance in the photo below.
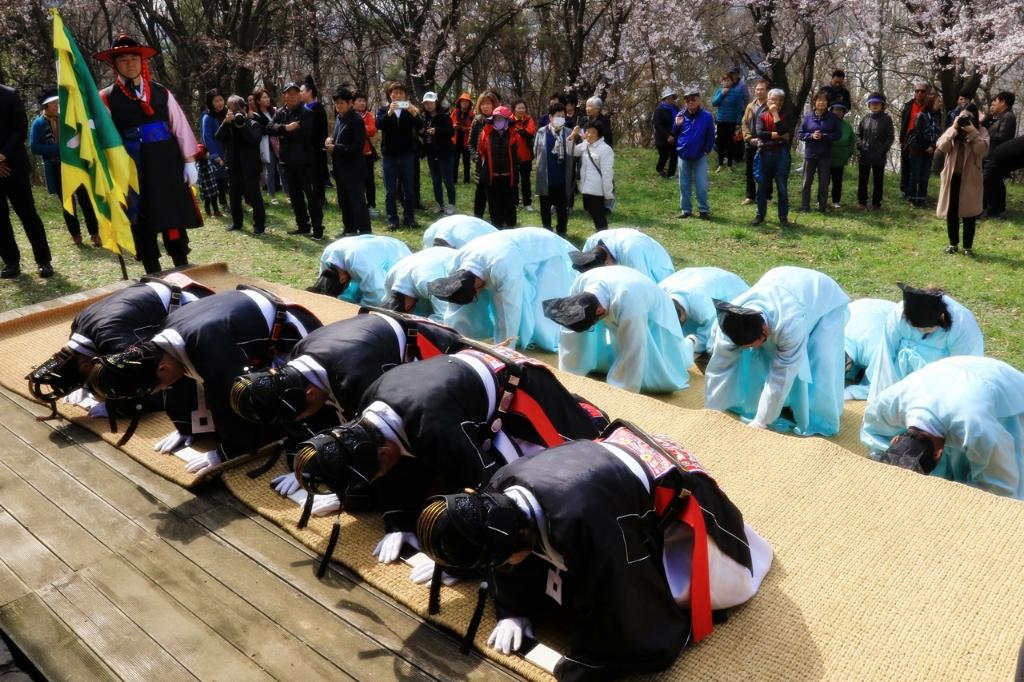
(663, 118)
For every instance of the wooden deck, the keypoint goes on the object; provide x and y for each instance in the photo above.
(108, 571)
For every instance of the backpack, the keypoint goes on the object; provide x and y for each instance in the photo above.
(925, 133)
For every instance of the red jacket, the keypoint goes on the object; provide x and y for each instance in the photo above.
(370, 121)
(526, 129)
(465, 121)
(483, 148)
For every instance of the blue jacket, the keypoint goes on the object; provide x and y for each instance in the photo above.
(829, 127)
(208, 125)
(50, 153)
(695, 136)
(732, 104)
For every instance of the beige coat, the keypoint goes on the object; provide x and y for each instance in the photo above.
(975, 146)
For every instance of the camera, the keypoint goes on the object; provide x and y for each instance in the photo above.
(238, 119)
(403, 104)
(964, 121)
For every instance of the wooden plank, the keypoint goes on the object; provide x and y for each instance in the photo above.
(190, 641)
(11, 586)
(58, 531)
(125, 648)
(395, 628)
(54, 649)
(252, 632)
(62, 437)
(28, 558)
(346, 647)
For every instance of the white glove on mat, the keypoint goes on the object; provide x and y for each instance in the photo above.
(285, 484)
(172, 442)
(390, 545)
(77, 396)
(507, 635)
(198, 465)
(325, 504)
(756, 425)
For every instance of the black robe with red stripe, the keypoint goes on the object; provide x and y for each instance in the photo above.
(444, 407)
(355, 352)
(623, 618)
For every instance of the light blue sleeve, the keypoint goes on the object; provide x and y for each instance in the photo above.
(790, 354)
(883, 419)
(508, 288)
(628, 369)
(989, 448)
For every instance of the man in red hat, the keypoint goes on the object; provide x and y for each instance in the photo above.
(160, 140)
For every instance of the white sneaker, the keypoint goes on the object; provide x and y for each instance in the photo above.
(836, 206)
(437, 210)
(449, 209)
(529, 209)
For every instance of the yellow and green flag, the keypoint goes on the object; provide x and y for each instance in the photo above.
(91, 151)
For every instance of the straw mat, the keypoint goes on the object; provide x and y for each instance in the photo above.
(879, 573)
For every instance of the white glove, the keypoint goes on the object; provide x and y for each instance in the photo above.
(285, 484)
(422, 574)
(98, 410)
(754, 424)
(172, 442)
(76, 397)
(191, 174)
(202, 462)
(507, 635)
(325, 504)
(390, 545)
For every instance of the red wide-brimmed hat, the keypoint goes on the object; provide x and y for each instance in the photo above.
(125, 44)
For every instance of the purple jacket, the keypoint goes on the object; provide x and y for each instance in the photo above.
(828, 124)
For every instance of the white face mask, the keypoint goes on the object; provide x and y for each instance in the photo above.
(558, 121)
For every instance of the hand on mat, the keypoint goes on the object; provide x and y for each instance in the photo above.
(172, 442)
(390, 545)
(75, 397)
(507, 635)
(98, 410)
(754, 424)
(201, 463)
(325, 504)
(421, 574)
(285, 484)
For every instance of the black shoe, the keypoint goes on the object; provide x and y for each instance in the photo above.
(756, 221)
(704, 215)
(412, 226)
(299, 231)
(317, 236)
(392, 227)
(786, 223)
(234, 228)
(257, 233)
(10, 272)
(46, 271)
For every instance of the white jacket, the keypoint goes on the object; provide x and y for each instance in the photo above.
(593, 157)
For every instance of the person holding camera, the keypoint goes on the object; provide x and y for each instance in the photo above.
(1001, 125)
(399, 125)
(293, 123)
(240, 135)
(965, 145)
(345, 147)
(436, 134)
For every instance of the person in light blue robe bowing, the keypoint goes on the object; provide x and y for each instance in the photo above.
(354, 268)
(692, 291)
(927, 326)
(498, 282)
(628, 247)
(862, 338)
(409, 279)
(959, 418)
(456, 231)
(617, 320)
(779, 346)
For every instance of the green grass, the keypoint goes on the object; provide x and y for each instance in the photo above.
(866, 252)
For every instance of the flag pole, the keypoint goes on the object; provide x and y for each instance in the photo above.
(124, 268)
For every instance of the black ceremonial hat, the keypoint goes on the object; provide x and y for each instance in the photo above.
(910, 451)
(578, 313)
(743, 326)
(274, 396)
(469, 530)
(328, 283)
(340, 457)
(922, 308)
(128, 375)
(458, 287)
(587, 260)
